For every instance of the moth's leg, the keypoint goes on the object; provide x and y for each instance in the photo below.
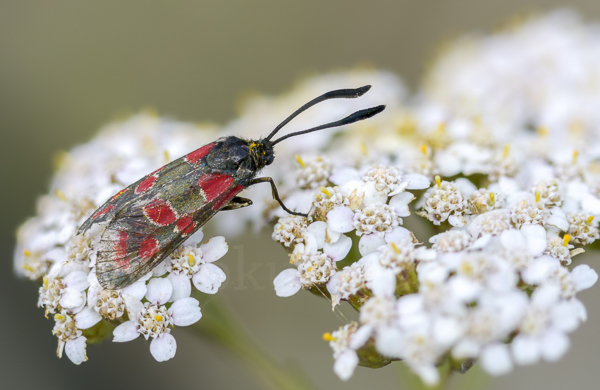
(237, 203)
(275, 194)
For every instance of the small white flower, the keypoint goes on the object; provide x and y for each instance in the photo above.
(69, 338)
(559, 248)
(442, 201)
(290, 230)
(548, 193)
(451, 241)
(195, 263)
(582, 228)
(528, 212)
(313, 172)
(490, 223)
(484, 200)
(375, 218)
(315, 270)
(345, 357)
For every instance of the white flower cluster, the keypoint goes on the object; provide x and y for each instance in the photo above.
(48, 249)
(366, 203)
(515, 197)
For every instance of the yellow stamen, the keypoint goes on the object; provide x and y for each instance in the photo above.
(441, 127)
(542, 131)
(438, 181)
(424, 149)
(575, 155)
(328, 337)
(325, 191)
(395, 248)
(590, 219)
(538, 195)
(506, 151)
(60, 195)
(191, 260)
(363, 149)
(45, 282)
(59, 317)
(300, 162)
(566, 240)
(27, 253)
(166, 155)
(309, 269)
(28, 268)
(158, 318)
(492, 198)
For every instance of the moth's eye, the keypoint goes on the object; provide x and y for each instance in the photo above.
(270, 158)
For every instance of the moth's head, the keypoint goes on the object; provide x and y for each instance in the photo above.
(261, 152)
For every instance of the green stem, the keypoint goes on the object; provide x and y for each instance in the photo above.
(219, 326)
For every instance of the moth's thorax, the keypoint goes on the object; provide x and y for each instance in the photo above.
(240, 158)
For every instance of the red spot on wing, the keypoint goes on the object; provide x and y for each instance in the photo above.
(226, 197)
(160, 212)
(214, 185)
(186, 225)
(199, 154)
(103, 211)
(121, 250)
(148, 248)
(146, 184)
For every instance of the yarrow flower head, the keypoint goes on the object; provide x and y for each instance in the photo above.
(49, 250)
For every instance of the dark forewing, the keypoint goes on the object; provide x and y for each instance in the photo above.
(145, 230)
(148, 184)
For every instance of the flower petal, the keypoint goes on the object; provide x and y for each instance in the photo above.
(416, 181)
(163, 347)
(76, 280)
(554, 345)
(339, 250)
(127, 331)
(195, 238)
(495, 359)
(583, 277)
(182, 287)
(345, 364)
(159, 290)
(318, 230)
(75, 350)
(341, 219)
(209, 278)
(369, 243)
(71, 298)
(287, 283)
(134, 306)
(185, 311)
(536, 238)
(137, 290)
(87, 318)
(214, 249)
(400, 203)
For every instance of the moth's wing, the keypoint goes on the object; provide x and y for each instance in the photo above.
(161, 177)
(144, 232)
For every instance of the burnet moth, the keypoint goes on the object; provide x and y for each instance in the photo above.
(148, 220)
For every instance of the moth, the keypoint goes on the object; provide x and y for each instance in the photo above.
(148, 220)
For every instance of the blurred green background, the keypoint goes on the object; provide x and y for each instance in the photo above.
(67, 68)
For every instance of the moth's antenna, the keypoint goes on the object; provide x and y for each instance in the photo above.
(357, 116)
(337, 94)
